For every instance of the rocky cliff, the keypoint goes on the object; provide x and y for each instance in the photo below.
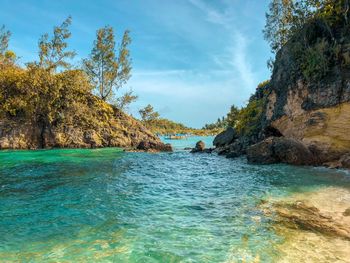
(307, 102)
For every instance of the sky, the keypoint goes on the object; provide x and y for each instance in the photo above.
(192, 59)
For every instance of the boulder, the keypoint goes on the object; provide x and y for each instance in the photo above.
(281, 149)
(200, 147)
(292, 151)
(154, 146)
(262, 152)
(225, 138)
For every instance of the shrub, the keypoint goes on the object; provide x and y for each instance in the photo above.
(315, 64)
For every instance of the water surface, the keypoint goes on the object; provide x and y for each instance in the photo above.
(105, 205)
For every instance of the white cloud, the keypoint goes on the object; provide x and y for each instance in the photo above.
(241, 62)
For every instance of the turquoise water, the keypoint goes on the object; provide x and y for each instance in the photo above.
(105, 205)
(190, 142)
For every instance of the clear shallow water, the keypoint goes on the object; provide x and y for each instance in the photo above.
(190, 142)
(105, 205)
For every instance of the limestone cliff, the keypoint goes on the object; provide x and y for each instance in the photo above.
(307, 99)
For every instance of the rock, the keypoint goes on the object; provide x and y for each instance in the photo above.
(301, 215)
(225, 138)
(164, 147)
(200, 147)
(223, 150)
(154, 146)
(345, 161)
(144, 146)
(236, 149)
(97, 124)
(262, 152)
(281, 149)
(292, 151)
(347, 212)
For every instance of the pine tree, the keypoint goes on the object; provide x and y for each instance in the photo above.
(107, 72)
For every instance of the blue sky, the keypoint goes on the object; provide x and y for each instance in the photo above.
(192, 59)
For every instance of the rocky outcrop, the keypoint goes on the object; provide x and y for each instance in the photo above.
(280, 150)
(112, 129)
(311, 111)
(225, 138)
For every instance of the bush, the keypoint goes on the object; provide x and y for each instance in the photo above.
(249, 118)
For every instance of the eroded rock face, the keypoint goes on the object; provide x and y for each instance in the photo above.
(280, 149)
(225, 138)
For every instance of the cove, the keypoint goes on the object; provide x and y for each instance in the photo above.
(106, 205)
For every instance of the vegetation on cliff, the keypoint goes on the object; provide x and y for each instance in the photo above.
(48, 103)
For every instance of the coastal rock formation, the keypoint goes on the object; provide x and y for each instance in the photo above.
(109, 127)
(225, 138)
(309, 108)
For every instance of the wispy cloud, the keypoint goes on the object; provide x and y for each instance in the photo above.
(212, 15)
(241, 61)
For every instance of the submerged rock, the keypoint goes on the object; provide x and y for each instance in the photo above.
(225, 138)
(323, 211)
(303, 216)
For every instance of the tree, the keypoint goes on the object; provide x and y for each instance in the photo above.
(124, 101)
(232, 116)
(107, 72)
(7, 57)
(52, 51)
(148, 114)
(4, 40)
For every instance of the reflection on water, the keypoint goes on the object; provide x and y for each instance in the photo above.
(107, 205)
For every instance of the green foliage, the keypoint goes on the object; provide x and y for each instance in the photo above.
(124, 101)
(263, 84)
(52, 51)
(249, 117)
(284, 18)
(4, 40)
(7, 57)
(287, 17)
(148, 114)
(315, 63)
(107, 72)
(165, 126)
